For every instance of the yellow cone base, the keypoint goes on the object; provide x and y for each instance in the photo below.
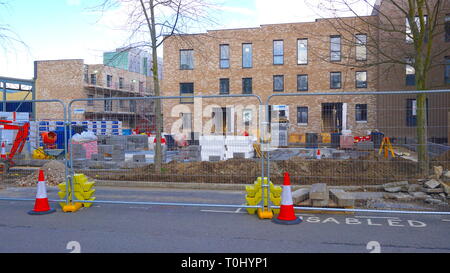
(72, 208)
(265, 214)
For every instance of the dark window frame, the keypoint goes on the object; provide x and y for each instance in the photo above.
(109, 81)
(410, 79)
(366, 82)
(278, 55)
(244, 86)
(447, 70)
(274, 83)
(193, 62)
(358, 44)
(221, 59)
(298, 83)
(299, 108)
(187, 101)
(225, 91)
(331, 80)
(93, 79)
(411, 120)
(361, 112)
(307, 51)
(251, 55)
(447, 27)
(334, 51)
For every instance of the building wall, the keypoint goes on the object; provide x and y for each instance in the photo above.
(60, 79)
(68, 80)
(392, 109)
(206, 73)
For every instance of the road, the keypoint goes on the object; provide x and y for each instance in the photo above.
(164, 229)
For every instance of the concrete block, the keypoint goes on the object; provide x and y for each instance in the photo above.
(365, 146)
(139, 158)
(342, 198)
(239, 155)
(214, 158)
(319, 192)
(105, 149)
(319, 203)
(436, 190)
(300, 195)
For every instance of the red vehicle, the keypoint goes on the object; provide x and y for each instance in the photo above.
(19, 142)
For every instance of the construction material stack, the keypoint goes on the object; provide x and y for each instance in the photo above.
(255, 194)
(213, 148)
(239, 147)
(84, 191)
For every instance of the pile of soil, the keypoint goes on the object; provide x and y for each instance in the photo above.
(371, 169)
(54, 172)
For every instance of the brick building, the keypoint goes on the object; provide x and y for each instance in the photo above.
(291, 58)
(67, 80)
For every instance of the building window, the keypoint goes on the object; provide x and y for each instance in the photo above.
(361, 112)
(411, 112)
(132, 106)
(247, 116)
(90, 102)
(335, 80)
(447, 28)
(247, 55)
(132, 85)
(186, 121)
(278, 52)
(187, 89)
(361, 47)
(121, 104)
(108, 104)
(361, 79)
(335, 48)
(141, 87)
(120, 83)
(278, 83)
(447, 70)
(94, 79)
(224, 86)
(224, 56)
(302, 82)
(247, 86)
(409, 33)
(109, 79)
(302, 51)
(410, 72)
(302, 115)
(186, 59)
(86, 74)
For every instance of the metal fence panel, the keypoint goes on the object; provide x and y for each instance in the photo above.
(24, 136)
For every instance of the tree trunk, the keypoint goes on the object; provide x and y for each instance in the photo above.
(422, 148)
(158, 117)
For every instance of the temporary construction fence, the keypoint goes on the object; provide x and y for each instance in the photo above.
(333, 138)
(29, 146)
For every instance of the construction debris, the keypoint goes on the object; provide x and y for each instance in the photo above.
(54, 174)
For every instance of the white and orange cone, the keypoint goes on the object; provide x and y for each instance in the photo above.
(3, 154)
(287, 213)
(42, 206)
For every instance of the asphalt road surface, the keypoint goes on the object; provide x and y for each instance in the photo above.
(106, 228)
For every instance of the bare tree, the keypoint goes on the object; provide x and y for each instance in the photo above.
(399, 32)
(7, 35)
(151, 22)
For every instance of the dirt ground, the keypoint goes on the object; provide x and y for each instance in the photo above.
(371, 169)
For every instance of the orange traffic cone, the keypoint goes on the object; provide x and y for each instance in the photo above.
(319, 154)
(3, 155)
(41, 207)
(287, 213)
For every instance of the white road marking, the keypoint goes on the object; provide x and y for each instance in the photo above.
(223, 211)
(380, 217)
(446, 220)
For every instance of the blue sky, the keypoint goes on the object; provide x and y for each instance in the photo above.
(71, 29)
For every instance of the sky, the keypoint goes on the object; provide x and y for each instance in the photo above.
(74, 29)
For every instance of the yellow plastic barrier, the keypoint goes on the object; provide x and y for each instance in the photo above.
(254, 198)
(84, 191)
